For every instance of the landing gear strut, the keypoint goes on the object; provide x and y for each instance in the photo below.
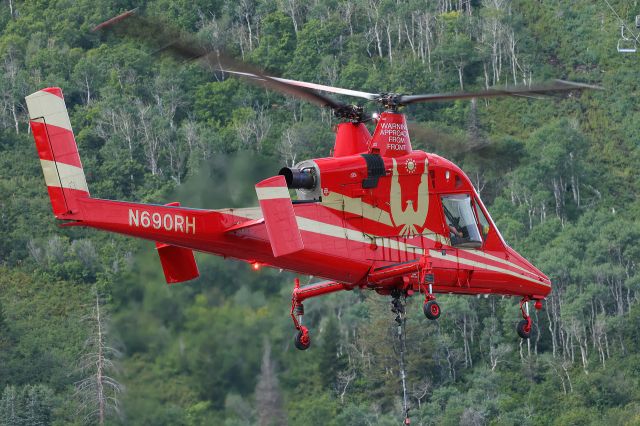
(524, 326)
(302, 341)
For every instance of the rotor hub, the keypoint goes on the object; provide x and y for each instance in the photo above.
(354, 113)
(390, 101)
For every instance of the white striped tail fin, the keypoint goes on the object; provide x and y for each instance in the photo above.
(58, 152)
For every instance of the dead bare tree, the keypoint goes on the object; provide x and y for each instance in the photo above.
(118, 122)
(288, 147)
(260, 127)
(293, 9)
(344, 379)
(268, 396)
(245, 11)
(13, 87)
(151, 136)
(421, 389)
(98, 391)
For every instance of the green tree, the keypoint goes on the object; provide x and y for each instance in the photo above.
(28, 405)
(277, 42)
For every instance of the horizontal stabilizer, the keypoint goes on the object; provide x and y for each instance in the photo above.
(178, 263)
(279, 216)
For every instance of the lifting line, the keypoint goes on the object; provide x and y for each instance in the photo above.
(398, 308)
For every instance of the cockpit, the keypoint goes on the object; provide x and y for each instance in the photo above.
(461, 221)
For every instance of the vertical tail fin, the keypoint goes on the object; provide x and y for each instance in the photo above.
(279, 216)
(58, 152)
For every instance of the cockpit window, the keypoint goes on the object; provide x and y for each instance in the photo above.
(463, 228)
(484, 223)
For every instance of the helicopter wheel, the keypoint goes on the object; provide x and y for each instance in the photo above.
(524, 328)
(302, 339)
(431, 309)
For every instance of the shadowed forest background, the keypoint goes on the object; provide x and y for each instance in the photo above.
(90, 332)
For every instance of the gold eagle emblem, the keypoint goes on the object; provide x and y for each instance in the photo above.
(411, 216)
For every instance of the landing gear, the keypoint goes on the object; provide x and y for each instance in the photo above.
(302, 340)
(430, 307)
(524, 326)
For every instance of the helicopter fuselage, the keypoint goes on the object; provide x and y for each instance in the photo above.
(376, 215)
(349, 232)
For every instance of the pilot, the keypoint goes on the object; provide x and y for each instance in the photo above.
(455, 232)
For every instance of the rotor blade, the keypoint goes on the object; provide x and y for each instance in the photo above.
(331, 89)
(316, 86)
(186, 47)
(557, 86)
(281, 85)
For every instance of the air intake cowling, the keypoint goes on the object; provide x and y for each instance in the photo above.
(299, 179)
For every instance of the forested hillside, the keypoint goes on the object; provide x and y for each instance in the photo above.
(90, 332)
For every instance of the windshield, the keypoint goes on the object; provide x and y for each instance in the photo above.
(463, 228)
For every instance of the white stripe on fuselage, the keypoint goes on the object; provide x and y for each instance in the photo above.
(469, 262)
(494, 258)
(317, 227)
(322, 228)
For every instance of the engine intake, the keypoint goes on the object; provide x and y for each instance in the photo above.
(299, 179)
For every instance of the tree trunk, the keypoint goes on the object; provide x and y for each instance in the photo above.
(389, 44)
(378, 40)
(14, 113)
(246, 18)
(293, 12)
(99, 365)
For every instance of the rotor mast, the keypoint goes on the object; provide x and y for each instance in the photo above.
(391, 136)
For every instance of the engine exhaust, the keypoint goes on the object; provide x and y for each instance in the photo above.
(299, 179)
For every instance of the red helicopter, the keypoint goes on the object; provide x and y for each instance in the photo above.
(375, 215)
